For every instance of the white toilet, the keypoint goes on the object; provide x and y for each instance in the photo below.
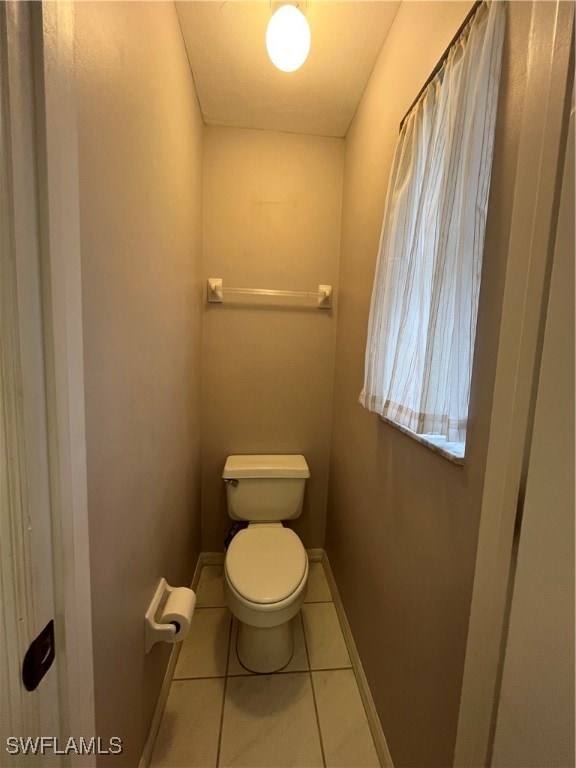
(266, 565)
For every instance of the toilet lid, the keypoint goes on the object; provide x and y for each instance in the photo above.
(265, 564)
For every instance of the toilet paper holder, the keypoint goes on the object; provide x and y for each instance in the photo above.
(155, 630)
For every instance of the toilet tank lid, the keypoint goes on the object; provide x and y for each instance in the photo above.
(267, 465)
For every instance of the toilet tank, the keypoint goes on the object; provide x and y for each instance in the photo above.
(265, 488)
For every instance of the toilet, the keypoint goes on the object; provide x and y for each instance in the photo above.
(266, 565)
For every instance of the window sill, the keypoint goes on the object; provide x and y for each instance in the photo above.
(454, 452)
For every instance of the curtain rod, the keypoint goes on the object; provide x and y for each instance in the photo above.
(469, 16)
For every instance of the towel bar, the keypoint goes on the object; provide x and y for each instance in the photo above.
(217, 293)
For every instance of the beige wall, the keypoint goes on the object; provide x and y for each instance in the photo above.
(140, 136)
(272, 220)
(402, 520)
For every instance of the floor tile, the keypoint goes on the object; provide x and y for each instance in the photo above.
(318, 588)
(324, 639)
(298, 662)
(210, 589)
(189, 730)
(204, 652)
(269, 722)
(345, 732)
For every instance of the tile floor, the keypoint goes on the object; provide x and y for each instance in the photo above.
(219, 714)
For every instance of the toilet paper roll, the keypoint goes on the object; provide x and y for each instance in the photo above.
(178, 610)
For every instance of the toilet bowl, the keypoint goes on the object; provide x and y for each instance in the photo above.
(266, 565)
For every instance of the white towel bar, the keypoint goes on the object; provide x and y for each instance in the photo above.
(217, 293)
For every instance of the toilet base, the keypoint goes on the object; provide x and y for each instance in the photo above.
(264, 649)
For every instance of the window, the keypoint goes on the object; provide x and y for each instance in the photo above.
(425, 297)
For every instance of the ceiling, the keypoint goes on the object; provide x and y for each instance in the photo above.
(238, 85)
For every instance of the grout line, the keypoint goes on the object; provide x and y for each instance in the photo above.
(317, 719)
(199, 677)
(263, 674)
(317, 602)
(284, 672)
(224, 693)
(313, 691)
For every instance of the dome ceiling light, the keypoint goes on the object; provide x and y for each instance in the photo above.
(288, 38)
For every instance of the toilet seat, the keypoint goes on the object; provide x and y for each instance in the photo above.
(265, 565)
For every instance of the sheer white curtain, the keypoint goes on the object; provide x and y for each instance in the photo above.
(425, 297)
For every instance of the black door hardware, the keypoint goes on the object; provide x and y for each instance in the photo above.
(39, 657)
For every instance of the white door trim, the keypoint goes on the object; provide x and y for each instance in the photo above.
(26, 563)
(526, 289)
(62, 304)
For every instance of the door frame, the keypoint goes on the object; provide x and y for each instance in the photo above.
(43, 34)
(530, 254)
(62, 297)
(26, 562)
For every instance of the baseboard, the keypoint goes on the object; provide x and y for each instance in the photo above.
(212, 558)
(165, 689)
(365, 694)
(315, 555)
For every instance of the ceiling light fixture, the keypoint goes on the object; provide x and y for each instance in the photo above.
(288, 38)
